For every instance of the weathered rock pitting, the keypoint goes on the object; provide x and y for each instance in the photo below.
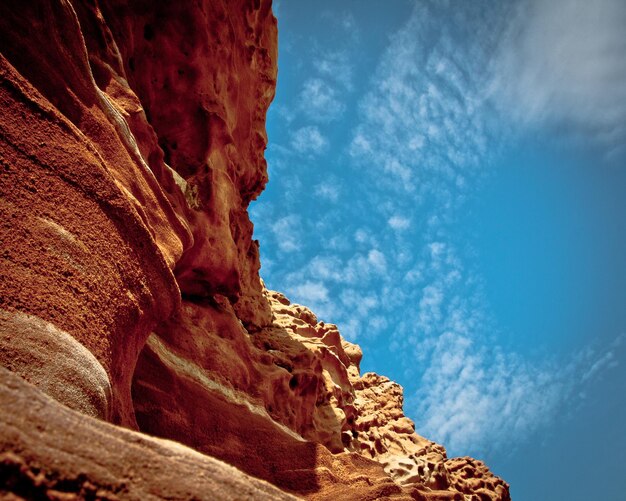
(131, 144)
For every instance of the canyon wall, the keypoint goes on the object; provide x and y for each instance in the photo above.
(131, 144)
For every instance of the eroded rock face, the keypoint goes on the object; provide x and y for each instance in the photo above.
(287, 404)
(76, 252)
(384, 433)
(131, 143)
(214, 63)
(48, 451)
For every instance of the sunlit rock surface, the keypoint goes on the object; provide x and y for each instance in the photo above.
(131, 143)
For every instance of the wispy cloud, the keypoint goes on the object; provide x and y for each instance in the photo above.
(286, 232)
(356, 269)
(336, 66)
(344, 25)
(399, 223)
(377, 261)
(320, 102)
(563, 63)
(604, 361)
(479, 399)
(309, 139)
(312, 291)
(424, 121)
(328, 191)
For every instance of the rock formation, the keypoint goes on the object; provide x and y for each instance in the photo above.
(131, 144)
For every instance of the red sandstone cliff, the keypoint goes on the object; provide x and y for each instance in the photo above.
(131, 143)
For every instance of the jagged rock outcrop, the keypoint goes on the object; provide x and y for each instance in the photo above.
(387, 435)
(131, 143)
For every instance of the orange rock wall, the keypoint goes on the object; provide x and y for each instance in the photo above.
(78, 248)
(131, 143)
(214, 63)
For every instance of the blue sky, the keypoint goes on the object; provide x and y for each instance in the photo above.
(448, 185)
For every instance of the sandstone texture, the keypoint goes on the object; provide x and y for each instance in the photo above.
(132, 135)
(51, 452)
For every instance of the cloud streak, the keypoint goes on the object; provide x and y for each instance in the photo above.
(310, 140)
(562, 63)
(319, 101)
(481, 399)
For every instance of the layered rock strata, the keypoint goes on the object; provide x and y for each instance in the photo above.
(131, 144)
(48, 451)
